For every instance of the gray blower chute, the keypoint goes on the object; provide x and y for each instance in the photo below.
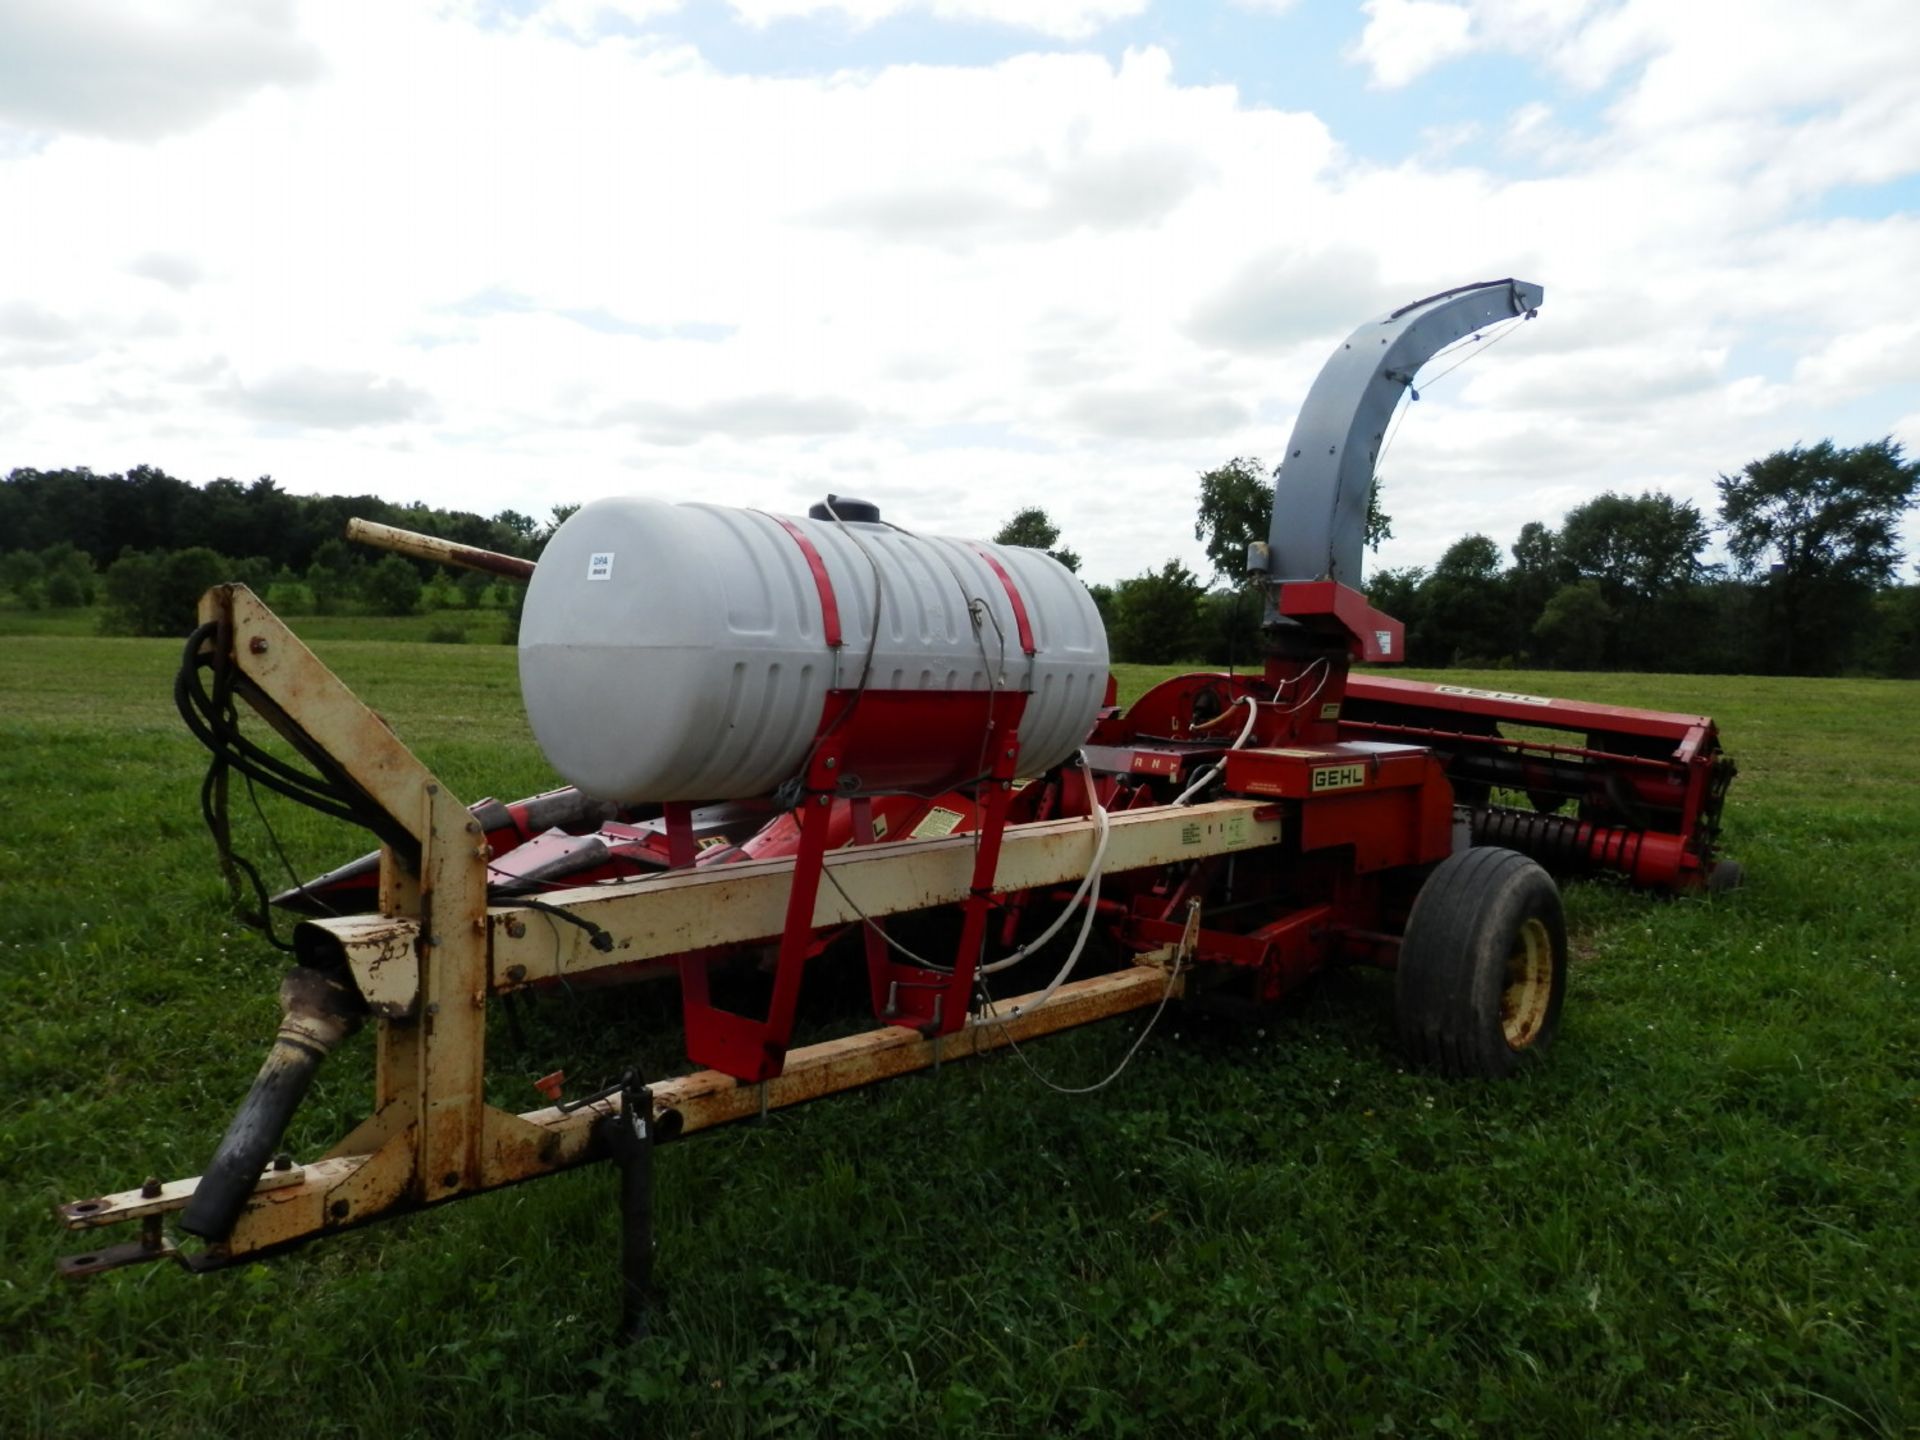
(1320, 494)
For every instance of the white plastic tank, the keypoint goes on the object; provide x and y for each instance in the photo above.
(680, 652)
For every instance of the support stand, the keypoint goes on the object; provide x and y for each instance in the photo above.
(628, 1141)
(921, 1000)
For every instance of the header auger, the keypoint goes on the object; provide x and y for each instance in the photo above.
(800, 742)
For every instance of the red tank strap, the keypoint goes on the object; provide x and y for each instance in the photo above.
(829, 607)
(1013, 594)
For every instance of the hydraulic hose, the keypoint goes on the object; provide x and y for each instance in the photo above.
(321, 1010)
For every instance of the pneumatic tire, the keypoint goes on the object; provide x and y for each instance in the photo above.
(1483, 965)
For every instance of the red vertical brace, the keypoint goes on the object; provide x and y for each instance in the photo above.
(870, 932)
(678, 815)
(921, 998)
(739, 1045)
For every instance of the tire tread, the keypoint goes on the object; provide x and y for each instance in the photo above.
(1444, 988)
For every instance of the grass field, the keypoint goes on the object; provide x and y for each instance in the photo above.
(1697, 1218)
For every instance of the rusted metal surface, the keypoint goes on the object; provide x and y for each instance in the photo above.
(343, 1190)
(684, 911)
(294, 682)
(424, 962)
(114, 1257)
(439, 552)
(453, 994)
(173, 1195)
(708, 1098)
(380, 951)
(1526, 994)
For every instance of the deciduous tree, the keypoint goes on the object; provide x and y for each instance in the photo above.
(1156, 616)
(1644, 551)
(1637, 547)
(1033, 528)
(1573, 626)
(1827, 520)
(1461, 609)
(391, 587)
(156, 593)
(1236, 508)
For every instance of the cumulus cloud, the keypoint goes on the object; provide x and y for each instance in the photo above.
(1093, 160)
(590, 18)
(177, 272)
(753, 417)
(134, 70)
(1597, 379)
(1404, 39)
(327, 399)
(519, 262)
(1065, 19)
(33, 322)
(1161, 413)
(1281, 297)
(1036, 198)
(1861, 361)
(497, 300)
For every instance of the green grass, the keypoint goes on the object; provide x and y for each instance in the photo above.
(1696, 1219)
(484, 625)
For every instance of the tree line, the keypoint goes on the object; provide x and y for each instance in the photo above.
(1810, 585)
(145, 544)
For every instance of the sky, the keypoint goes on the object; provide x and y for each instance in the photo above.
(953, 256)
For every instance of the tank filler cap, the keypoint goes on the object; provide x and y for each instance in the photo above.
(854, 512)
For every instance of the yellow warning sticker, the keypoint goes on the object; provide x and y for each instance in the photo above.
(707, 842)
(1338, 777)
(879, 827)
(1330, 712)
(938, 821)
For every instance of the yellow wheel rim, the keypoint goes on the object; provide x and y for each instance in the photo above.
(1527, 987)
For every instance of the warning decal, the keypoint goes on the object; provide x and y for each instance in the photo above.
(938, 821)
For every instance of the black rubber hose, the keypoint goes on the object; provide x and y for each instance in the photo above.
(320, 1011)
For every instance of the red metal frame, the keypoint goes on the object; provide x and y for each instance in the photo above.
(1364, 770)
(1646, 785)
